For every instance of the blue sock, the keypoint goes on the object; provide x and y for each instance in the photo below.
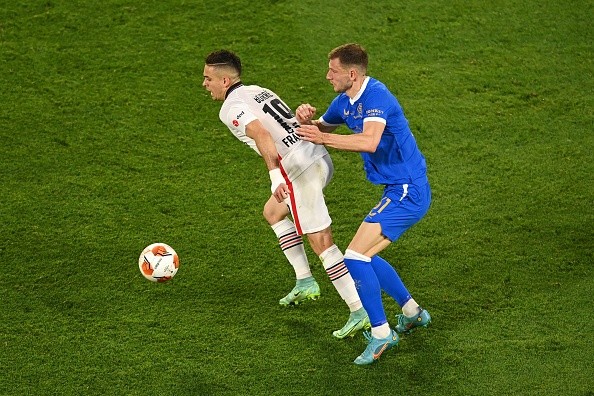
(389, 280)
(368, 287)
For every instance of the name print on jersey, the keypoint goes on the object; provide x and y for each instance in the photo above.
(262, 96)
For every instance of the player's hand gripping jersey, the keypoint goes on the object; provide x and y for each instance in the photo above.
(246, 103)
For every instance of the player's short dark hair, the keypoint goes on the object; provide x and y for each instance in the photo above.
(224, 58)
(350, 54)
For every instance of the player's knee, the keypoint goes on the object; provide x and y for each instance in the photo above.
(268, 215)
(273, 213)
(321, 241)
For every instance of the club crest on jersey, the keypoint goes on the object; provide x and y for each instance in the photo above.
(359, 113)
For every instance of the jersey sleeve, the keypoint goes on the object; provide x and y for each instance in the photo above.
(237, 117)
(377, 107)
(332, 116)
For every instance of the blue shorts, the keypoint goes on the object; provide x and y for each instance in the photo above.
(400, 208)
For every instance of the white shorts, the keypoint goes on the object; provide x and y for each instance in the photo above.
(306, 201)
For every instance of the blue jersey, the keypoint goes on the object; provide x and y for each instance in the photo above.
(397, 159)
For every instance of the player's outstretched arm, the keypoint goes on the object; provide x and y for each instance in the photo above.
(365, 142)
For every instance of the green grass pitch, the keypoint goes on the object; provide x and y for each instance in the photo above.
(109, 143)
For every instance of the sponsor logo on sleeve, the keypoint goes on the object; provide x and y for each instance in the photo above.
(235, 122)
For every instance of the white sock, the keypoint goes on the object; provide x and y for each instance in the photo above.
(411, 308)
(292, 246)
(333, 262)
(381, 331)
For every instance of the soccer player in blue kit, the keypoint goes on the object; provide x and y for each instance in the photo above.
(391, 158)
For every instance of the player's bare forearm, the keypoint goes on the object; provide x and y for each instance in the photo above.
(268, 151)
(264, 143)
(362, 142)
(322, 127)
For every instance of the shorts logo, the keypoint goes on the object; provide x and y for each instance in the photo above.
(235, 123)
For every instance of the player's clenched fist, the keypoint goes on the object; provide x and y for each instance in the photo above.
(305, 113)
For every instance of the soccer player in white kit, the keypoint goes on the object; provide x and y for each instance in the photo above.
(298, 170)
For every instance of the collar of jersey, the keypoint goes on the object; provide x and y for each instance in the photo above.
(233, 88)
(356, 98)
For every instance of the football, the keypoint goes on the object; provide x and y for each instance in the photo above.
(158, 262)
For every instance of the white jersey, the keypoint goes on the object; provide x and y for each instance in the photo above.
(245, 104)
